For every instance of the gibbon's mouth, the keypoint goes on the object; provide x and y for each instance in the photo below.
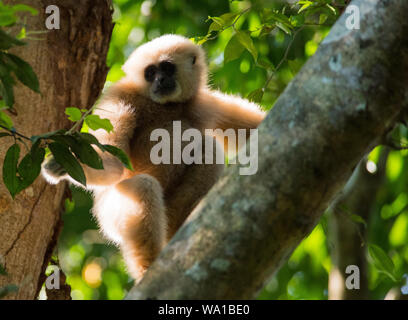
(166, 93)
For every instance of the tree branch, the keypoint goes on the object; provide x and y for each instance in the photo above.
(347, 237)
(346, 96)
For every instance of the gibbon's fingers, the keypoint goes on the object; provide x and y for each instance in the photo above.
(52, 171)
(143, 223)
(195, 183)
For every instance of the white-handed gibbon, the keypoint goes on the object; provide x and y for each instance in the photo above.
(140, 210)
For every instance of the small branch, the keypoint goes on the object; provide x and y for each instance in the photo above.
(285, 56)
(232, 25)
(15, 133)
(78, 123)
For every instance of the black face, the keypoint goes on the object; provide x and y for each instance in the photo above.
(162, 77)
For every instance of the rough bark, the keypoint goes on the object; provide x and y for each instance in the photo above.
(70, 64)
(348, 238)
(346, 96)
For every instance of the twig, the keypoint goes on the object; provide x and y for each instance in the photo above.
(15, 133)
(283, 58)
(76, 125)
(232, 25)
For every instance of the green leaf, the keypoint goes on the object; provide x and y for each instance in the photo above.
(256, 95)
(30, 167)
(323, 17)
(284, 27)
(278, 17)
(89, 138)
(65, 158)
(23, 71)
(7, 41)
(6, 90)
(214, 27)
(266, 64)
(87, 154)
(245, 39)
(120, 154)
(5, 120)
(233, 49)
(382, 261)
(297, 20)
(23, 7)
(332, 9)
(200, 40)
(305, 5)
(10, 179)
(222, 21)
(358, 219)
(228, 18)
(7, 18)
(295, 66)
(267, 29)
(74, 114)
(69, 205)
(95, 122)
(82, 149)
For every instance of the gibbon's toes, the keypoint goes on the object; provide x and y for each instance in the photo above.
(137, 272)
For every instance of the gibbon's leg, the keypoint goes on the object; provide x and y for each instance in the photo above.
(132, 214)
(196, 182)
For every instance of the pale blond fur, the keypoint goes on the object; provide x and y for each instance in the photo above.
(141, 210)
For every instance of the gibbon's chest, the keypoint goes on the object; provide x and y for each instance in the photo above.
(165, 126)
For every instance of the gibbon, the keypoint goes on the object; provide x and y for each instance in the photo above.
(165, 80)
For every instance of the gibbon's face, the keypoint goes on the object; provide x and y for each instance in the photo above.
(170, 68)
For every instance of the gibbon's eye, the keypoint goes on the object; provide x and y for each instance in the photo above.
(168, 68)
(149, 73)
(194, 60)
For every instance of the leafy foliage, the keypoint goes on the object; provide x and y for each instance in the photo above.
(68, 148)
(11, 64)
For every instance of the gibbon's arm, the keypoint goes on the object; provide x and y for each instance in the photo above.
(112, 173)
(122, 117)
(222, 111)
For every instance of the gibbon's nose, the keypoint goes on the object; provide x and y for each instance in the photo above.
(161, 79)
(165, 84)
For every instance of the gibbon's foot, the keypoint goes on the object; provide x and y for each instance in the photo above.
(52, 170)
(143, 222)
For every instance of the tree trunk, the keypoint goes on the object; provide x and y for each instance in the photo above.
(70, 64)
(335, 110)
(347, 237)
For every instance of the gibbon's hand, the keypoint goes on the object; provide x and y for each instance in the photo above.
(52, 171)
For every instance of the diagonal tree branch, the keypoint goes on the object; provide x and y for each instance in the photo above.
(336, 109)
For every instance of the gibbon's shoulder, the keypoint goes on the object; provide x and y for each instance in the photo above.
(125, 91)
(209, 101)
